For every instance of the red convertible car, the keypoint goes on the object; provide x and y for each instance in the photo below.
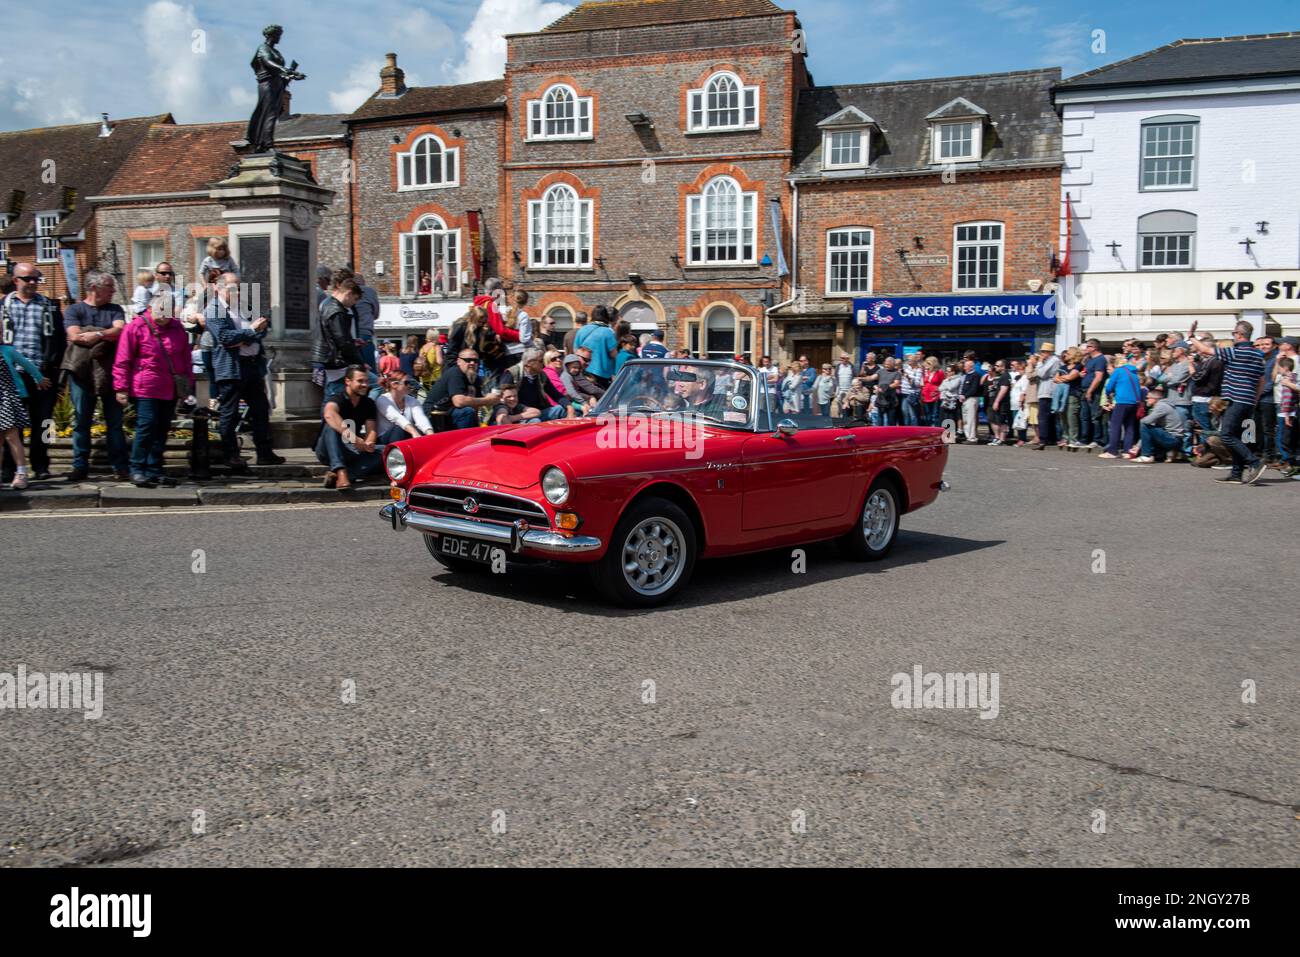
(681, 460)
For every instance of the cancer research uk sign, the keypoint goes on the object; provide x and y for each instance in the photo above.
(902, 311)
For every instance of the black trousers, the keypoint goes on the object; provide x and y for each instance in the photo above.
(1266, 430)
(251, 389)
(1046, 422)
(40, 409)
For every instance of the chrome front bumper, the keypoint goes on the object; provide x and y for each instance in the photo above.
(515, 537)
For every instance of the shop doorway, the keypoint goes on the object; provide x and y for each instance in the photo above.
(818, 351)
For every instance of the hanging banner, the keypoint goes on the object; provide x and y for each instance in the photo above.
(775, 206)
(68, 259)
(476, 242)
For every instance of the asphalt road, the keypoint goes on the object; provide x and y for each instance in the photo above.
(518, 703)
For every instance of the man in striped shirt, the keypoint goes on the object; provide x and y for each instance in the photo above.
(1243, 378)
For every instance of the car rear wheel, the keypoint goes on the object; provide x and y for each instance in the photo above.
(876, 530)
(650, 557)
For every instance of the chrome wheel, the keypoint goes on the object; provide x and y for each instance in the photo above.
(653, 557)
(878, 517)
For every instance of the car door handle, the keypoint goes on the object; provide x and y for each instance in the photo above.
(846, 438)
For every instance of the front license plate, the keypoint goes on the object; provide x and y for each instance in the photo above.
(469, 549)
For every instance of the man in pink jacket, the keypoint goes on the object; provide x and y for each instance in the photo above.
(154, 349)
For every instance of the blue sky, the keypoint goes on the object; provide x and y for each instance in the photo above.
(191, 58)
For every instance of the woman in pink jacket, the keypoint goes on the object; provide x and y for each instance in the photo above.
(152, 351)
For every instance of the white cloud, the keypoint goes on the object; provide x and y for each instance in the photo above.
(484, 41)
(361, 81)
(178, 76)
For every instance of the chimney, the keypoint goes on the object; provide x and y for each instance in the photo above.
(285, 98)
(392, 81)
(104, 128)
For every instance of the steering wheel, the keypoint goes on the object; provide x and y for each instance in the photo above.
(650, 401)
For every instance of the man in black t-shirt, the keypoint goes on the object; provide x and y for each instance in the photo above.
(347, 437)
(457, 392)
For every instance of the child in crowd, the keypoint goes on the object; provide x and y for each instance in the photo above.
(218, 258)
(144, 285)
(1287, 402)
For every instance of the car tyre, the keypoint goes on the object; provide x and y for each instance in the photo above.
(873, 535)
(650, 557)
(459, 565)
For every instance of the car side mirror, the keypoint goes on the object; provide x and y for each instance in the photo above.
(786, 428)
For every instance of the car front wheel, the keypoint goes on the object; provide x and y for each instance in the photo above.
(650, 556)
(874, 534)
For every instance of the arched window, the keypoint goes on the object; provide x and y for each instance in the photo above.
(559, 115)
(723, 103)
(1166, 239)
(430, 247)
(720, 334)
(721, 223)
(563, 317)
(428, 164)
(559, 230)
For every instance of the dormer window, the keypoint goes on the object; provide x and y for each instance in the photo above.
(560, 115)
(957, 132)
(723, 103)
(846, 139)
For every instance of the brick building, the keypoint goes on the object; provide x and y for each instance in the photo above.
(927, 218)
(156, 206)
(644, 143)
(46, 176)
(425, 159)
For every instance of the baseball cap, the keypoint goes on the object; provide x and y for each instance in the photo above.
(1292, 341)
(572, 358)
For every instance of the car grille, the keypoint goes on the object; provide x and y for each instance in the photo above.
(492, 506)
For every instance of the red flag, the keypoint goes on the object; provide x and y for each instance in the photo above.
(1064, 268)
(476, 243)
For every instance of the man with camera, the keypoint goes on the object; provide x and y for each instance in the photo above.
(239, 367)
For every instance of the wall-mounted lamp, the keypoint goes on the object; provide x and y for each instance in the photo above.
(635, 278)
(639, 119)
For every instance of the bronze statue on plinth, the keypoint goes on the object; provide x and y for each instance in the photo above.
(273, 78)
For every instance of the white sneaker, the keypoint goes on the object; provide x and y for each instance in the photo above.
(1094, 445)
(1107, 455)
(1145, 459)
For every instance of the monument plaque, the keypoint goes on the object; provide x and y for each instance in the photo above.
(297, 283)
(255, 273)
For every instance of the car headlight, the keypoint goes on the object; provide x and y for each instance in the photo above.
(555, 486)
(395, 462)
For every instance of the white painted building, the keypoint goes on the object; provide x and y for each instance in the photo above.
(1182, 170)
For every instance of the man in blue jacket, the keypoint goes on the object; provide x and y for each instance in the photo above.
(239, 367)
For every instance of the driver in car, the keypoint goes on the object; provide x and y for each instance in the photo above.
(697, 394)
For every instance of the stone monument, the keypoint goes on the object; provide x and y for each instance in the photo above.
(272, 205)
